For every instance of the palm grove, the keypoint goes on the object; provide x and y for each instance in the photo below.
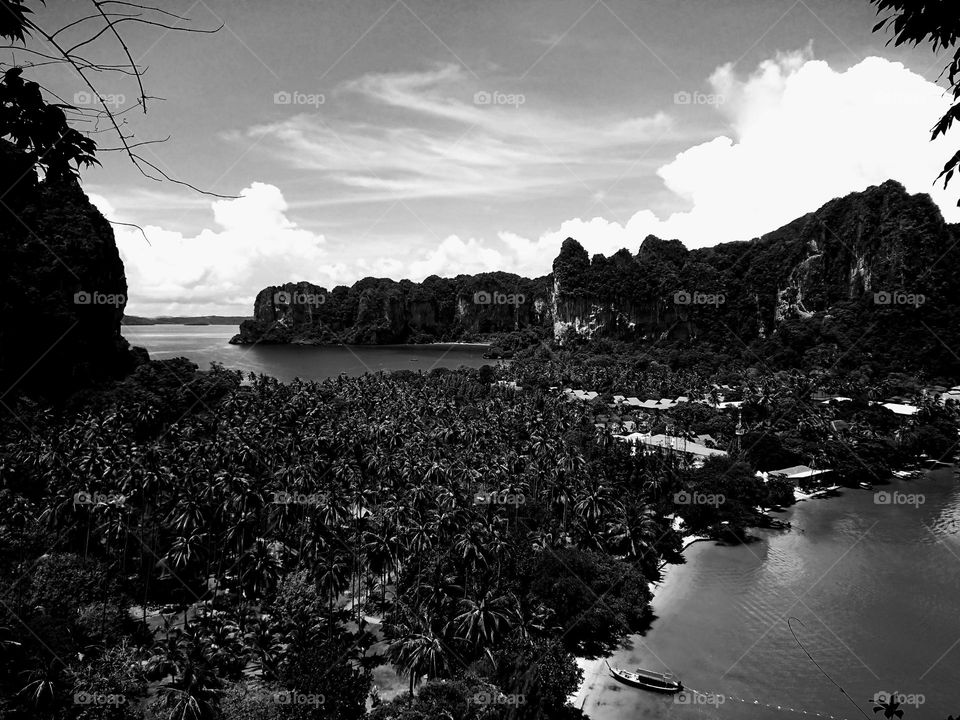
(179, 544)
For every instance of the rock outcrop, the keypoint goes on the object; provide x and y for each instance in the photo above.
(880, 259)
(62, 286)
(380, 311)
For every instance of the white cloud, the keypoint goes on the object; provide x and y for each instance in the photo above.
(801, 133)
(219, 270)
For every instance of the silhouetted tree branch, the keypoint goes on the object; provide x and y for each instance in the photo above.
(43, 129)
(936, 22)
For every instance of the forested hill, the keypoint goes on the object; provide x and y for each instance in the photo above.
(879, 264)
(380, 311)
(869, 278)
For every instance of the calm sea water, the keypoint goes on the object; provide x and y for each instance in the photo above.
(204, 344)
(876, 587)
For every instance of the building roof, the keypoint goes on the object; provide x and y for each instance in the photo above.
(901, 408)
(671, 442)
(799, 471)
(586, 395)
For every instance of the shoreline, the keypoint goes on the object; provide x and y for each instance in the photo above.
(595, 688)
(453, 342)
(594, 670)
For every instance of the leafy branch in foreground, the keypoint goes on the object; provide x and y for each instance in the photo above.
(938, 23)
(42, 128)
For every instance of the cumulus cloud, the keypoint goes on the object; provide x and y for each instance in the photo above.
(804, 133)
(219, 270)
(800, 133)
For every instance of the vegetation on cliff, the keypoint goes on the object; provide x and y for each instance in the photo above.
(381, 311)
(866, 282)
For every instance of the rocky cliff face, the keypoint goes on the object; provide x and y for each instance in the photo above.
(879, 249)
(62, 287)
(380, 311)
(880, 254)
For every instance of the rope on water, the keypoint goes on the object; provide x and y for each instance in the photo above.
(781, 708)
(771, 706)
(845, 694)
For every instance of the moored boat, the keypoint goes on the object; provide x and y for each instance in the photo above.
(646, 679)
(866, 485)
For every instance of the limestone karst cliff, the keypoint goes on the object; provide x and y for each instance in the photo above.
(881, 257)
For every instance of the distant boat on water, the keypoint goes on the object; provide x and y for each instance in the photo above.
(866, 485)
(827, 491)
(646, 679)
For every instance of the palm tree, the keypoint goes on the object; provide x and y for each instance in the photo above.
(189, 687)
(417, 651)
(890, 707)
(482, 623)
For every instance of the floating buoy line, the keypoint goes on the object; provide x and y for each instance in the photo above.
(759, 703)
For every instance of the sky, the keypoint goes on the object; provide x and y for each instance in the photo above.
(405, 138)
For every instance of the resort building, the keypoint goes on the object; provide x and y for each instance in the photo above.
(901, 408)
(690, 450)
(796, 474)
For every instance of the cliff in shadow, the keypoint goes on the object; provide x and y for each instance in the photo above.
(62, 286)
(380, 311)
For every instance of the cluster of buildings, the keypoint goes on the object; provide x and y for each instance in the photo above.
(632, 418)
(694, 451)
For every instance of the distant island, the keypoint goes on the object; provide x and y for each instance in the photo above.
(184, 320)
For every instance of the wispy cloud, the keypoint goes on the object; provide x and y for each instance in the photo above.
(438, 133)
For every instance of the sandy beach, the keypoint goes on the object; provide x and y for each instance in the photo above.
(598, 688)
